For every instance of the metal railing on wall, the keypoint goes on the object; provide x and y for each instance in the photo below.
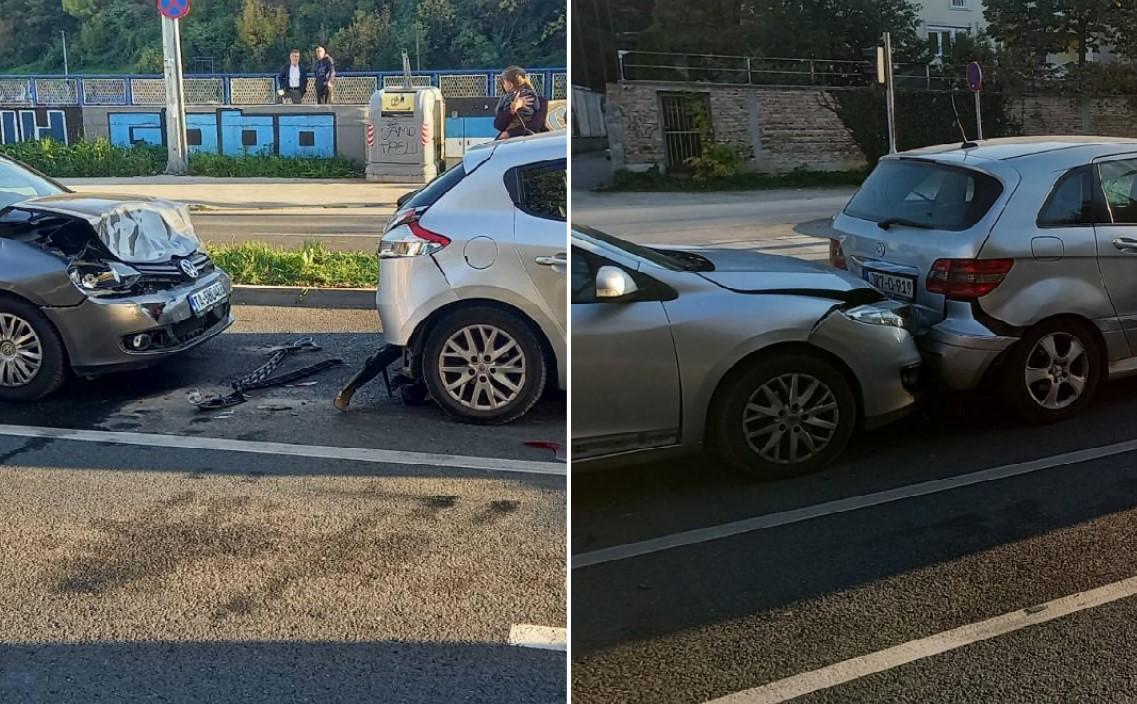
(751, 70)
(352, 87)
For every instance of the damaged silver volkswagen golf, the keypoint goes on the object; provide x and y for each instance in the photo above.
(91, 284)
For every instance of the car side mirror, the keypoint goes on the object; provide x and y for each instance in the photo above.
(612, 283)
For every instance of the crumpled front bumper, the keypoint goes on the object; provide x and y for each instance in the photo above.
(95, 331)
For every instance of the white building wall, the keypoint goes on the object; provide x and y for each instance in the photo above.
(939, 18)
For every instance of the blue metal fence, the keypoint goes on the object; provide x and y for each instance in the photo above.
(352, 87)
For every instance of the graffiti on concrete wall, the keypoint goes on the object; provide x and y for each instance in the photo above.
(233, 132)
(28, 124)
(399, 137)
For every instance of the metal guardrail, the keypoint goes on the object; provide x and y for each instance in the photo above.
(750, 70)
(352, 87)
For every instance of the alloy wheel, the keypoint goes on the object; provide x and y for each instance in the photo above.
(482, 367)
(21, 354)
(790, 418)
(1057, 370)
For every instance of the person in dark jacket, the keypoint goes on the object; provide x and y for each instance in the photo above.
(292, 80)
(520, 110)
(325, 72)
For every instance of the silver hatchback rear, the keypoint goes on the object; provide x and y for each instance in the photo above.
(1016, 253)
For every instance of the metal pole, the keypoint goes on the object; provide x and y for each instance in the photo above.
(63, 33)
(176, 147)
(978, 117)
(890, 91)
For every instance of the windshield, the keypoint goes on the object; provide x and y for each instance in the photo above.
(924, 194)
(673, 260)
(18, 183)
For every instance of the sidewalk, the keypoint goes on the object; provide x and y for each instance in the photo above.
(251, 193)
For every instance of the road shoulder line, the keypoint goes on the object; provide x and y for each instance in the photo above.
(526, 635)
(626, 551)
(882, 660)
(355, 454)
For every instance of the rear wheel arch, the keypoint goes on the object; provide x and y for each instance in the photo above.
(422, 332)
(783, 348)
(997, 367)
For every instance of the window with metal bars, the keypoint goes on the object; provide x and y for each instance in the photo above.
(686, 119)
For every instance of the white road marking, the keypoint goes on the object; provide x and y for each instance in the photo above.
(852, 503)
(355, 454)
(542, 637)
(855, 668)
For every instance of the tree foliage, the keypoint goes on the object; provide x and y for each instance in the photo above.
(1033, 29)
(833, 29)
(255, 35)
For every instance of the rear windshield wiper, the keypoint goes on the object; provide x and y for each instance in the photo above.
(889, 222)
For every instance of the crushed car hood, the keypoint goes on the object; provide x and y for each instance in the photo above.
(136, 229)
(753, 272)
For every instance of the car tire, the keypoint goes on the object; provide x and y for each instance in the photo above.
(16, 318)
(761, 442)
(1064, 359)
(514, 385)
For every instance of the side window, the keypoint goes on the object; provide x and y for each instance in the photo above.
(1072, 202)
(541, 190)
(583, 277)
(1119, 182)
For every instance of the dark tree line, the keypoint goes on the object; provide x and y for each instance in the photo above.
(255, 35)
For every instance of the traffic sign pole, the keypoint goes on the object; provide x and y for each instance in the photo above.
(975, 83)
(890, 93)
(176, 146)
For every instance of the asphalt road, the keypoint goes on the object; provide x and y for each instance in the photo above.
(843, 586)
(340, 229)
(791, 222)
(340, 564)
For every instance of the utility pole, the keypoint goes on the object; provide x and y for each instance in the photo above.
(66, 70)
(176, 146)
(890, 93)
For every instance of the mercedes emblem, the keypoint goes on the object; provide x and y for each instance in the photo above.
(880, 249)
(188, 268)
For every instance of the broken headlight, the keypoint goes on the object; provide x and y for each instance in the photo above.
(103, 278)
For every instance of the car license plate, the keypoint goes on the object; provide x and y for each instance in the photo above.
(898, 286)
(207, 298)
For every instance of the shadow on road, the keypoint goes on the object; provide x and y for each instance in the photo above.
(274, 672)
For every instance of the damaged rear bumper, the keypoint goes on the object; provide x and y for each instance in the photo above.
(98, 333)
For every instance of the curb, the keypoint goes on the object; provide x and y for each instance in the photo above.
(299, 297)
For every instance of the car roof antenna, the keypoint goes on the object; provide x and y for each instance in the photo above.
(966, 144)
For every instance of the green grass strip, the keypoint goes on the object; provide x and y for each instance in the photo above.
(313, 265)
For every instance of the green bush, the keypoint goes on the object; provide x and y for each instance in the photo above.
(86, 159)
(719, 160)
(258, 264)
(264, 166)
(99, 158)
(653, 180)
(923, 118)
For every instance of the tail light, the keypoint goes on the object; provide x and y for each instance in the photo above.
(967, 278)
(414, 240)
(836, 254)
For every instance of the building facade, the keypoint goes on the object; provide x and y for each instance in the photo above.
(942, 20)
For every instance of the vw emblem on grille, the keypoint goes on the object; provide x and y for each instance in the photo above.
(188, 268)
(880, 249)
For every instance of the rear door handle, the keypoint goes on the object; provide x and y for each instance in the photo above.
(561, 259)
(1126, 244)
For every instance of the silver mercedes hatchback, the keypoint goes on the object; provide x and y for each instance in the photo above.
(772, 361)
(1020, 253)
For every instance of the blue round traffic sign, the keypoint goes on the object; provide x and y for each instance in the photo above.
(974, 76)
(174, 9)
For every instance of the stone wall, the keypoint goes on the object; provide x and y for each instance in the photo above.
(790, 128)
(781, 129)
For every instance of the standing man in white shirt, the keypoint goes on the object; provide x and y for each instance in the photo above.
(293, 79)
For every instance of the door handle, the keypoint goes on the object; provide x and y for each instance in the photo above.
(1126, 244)
(561, 259)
